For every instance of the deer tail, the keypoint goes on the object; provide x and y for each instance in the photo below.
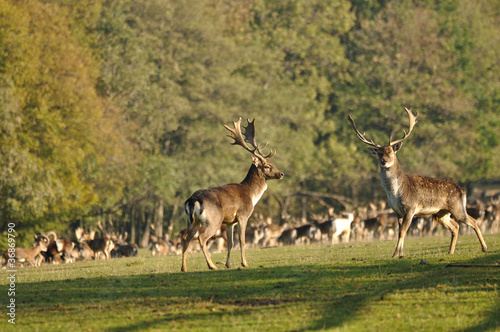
(193, 206)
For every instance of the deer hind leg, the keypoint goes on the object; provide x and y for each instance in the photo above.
(460, 215)
(453, 226)
(186, 239)
(203, 239)
(472, 222)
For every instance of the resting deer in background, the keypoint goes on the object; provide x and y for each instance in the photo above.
(231, 203)
(411, 195)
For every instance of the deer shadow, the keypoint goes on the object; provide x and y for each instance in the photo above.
(336, 300)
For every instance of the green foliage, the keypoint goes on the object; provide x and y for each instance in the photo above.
(109, 106)
(54, 120)
(412, 55)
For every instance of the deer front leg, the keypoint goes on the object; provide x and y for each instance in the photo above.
(404, 224)
(241, 229)
(229, 232)
(454, 236)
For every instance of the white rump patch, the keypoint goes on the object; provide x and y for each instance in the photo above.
(201, 216)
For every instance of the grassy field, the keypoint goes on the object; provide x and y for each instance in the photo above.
(345, 287)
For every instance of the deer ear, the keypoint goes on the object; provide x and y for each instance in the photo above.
(397, 146)
(256, 161)
(372, 151)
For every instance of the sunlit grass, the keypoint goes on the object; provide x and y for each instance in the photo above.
(352, 287)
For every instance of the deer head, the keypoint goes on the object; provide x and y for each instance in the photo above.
(42, 239)
(260, 160)
(386, 154)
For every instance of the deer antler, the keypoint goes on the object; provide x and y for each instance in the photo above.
(413, 120)
(237, 136)
(362, 136)
(249, 137)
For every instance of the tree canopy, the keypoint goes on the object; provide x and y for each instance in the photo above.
(115, 108)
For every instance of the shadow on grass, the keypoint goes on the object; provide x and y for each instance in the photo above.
(491, 319)
(336, 294)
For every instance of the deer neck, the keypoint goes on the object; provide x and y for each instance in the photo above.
(393, 180)
(38, 249)
(256, 184)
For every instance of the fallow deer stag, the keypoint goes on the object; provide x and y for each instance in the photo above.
(231, 203)
(411, 195)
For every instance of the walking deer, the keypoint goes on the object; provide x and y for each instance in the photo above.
(231, 203)
(411, 195)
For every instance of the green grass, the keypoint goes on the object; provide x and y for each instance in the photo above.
(346, 287)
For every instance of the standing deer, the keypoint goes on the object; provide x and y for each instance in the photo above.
(411, 195)
(104, 245)
(231, 203)
(28, 255)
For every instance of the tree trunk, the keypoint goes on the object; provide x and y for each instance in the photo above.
(133, 234)
(159, 218)
(147, 230)
(173, 216)
(304, 209)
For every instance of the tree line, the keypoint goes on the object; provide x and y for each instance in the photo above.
(113, 110)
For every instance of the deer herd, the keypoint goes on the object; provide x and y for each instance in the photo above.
(418, 205)
(48, 248)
